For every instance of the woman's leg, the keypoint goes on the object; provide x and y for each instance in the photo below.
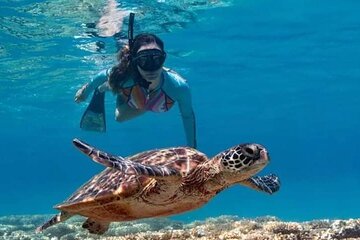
(124, 112)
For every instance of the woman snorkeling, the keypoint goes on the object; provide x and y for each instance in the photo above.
(141, 84)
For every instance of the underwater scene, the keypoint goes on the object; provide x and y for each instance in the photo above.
(245, 124)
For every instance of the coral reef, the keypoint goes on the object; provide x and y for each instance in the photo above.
(223, 228)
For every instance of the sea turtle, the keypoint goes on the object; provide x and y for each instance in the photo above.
(160, 182)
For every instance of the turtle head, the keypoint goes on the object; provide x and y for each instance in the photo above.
(245, 158)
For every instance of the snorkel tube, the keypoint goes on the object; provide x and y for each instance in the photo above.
(142, 82)
(131, 31)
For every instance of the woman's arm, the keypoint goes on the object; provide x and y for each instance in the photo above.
(178, 89)
(99, 80)
(188, 117)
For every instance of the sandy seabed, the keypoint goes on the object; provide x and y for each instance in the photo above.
(222, 227)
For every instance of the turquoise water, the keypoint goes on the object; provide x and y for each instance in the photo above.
(284, 74)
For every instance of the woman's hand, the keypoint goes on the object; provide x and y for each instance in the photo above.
(80, 96)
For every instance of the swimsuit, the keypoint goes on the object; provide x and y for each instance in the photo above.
(140, 98)
(173, 88)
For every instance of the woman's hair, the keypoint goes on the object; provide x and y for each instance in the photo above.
(125, 69)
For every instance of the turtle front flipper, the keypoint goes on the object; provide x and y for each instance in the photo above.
(269, 183)
(122, 164)
(60, 217)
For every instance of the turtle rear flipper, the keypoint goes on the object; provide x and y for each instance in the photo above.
(96, 227)
(269, 183)
(122, 164)
(60, 217)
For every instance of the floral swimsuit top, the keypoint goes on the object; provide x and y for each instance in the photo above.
(140, 98)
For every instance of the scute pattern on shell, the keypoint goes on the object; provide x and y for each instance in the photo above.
(183, 159)
(110, 180)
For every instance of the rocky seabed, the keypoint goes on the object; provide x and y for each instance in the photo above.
(223, 227)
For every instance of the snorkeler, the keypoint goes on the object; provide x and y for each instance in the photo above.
(141, 84)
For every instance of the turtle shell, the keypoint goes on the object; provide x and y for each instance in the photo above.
(112, 185)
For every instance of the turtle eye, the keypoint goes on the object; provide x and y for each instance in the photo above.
(251, 151)
(248, 151)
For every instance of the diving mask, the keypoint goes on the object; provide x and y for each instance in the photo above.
(150, 59)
